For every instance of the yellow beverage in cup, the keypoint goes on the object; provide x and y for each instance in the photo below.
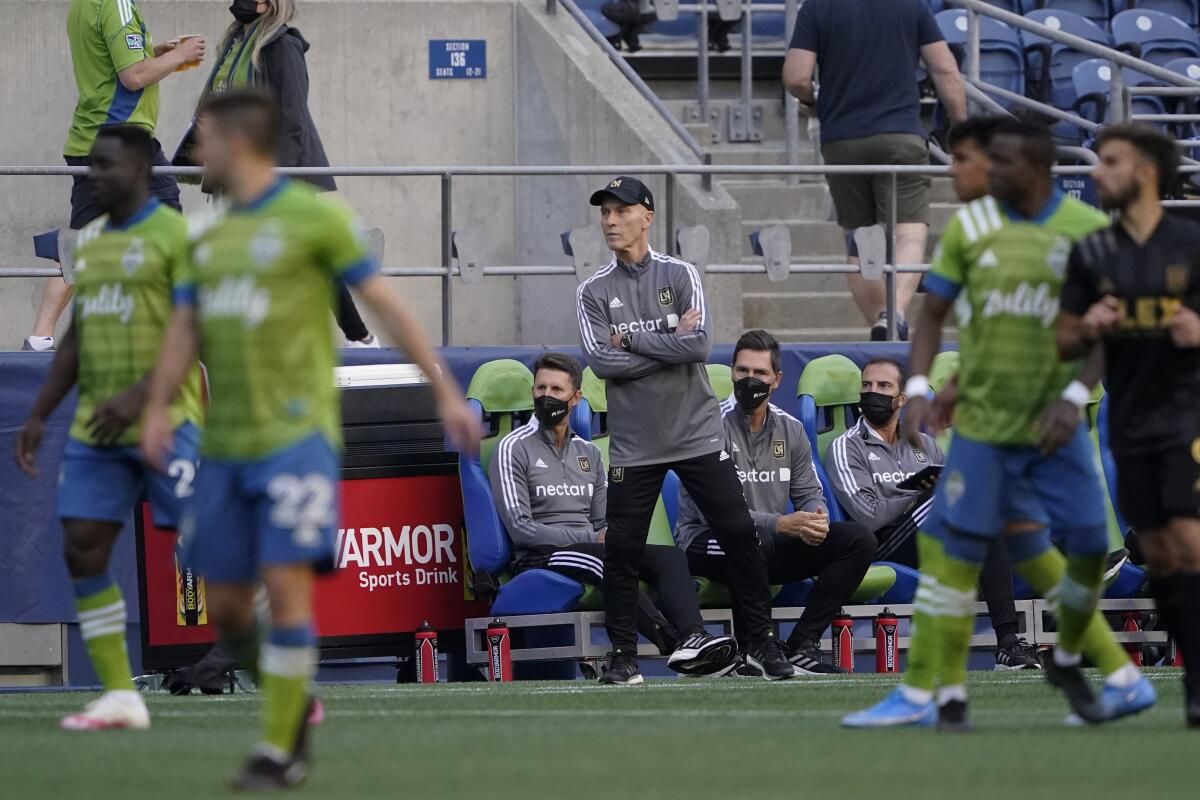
(190, 64)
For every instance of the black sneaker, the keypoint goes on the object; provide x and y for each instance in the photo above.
(879, 329)
(807, 660)
(262, 773)
(1015, 653)
(768, 659)
(952, 717)
(704, 654)
(1112, 565)
(1070, 681)
(622, 670)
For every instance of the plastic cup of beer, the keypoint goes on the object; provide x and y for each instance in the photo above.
(190, 64)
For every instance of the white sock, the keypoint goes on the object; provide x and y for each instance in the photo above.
(1064, 659)
(41, 343)
(917, 697)
(1123, 678)
(948, 693)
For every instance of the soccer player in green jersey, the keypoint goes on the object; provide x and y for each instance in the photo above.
(127, 262)
(265, 505)
(1021, 458)
(117, 70)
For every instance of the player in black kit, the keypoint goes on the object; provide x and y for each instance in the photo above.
(1134, 290)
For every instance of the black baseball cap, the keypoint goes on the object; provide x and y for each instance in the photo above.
(627, 190)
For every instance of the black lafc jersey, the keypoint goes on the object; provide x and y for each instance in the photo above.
(1153, 386)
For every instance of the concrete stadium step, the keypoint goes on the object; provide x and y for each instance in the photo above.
(940, 214)
(771, 154)
(808, 236)
(772, 198)
(770, 310)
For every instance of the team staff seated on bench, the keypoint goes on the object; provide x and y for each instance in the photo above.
(550, 488)
(865, 466)
(775, 464)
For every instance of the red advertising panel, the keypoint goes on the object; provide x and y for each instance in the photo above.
(400, 560)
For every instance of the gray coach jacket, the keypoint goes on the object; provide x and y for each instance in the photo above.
(548, 498)
(863, 471)
(775, 465)
(661, 407)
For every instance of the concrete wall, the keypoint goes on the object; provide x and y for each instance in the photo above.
(549, 98)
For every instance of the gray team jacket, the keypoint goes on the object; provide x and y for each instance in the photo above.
(863, 471)
(548, 498)
(660, 405)
(775, 465)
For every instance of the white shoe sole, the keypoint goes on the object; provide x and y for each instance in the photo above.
(716, 656)
(750, 662)
(634, 681)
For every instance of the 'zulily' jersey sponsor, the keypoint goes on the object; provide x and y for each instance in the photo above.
(124, 275)
(1005, 273)
(661, 407)
(261, 276)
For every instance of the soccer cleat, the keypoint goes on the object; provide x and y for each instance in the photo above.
(1070, 681)
(264, 773)
(316, 713)
(768, 660)
(109, 711)
(952, 717)
(621, 670)
(1116, 702)
(704, 654)
(807, 660)
(894, 711)
(1013, 654)
(1112, 565)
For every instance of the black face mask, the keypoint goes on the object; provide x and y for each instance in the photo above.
(751, 393)
(876, 407)
(550, 410)
(244, 11)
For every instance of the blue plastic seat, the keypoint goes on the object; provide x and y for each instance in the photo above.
(1092, 80)
(1001, 51)
(591, 10)
(1049, 63)
(1186, 10)
(1098, 11)
(1155, 37)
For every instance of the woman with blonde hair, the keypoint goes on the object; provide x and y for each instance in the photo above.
(261, 49)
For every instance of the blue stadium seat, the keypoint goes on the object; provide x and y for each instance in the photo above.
(1098, 11)
(808, 418)
(1001, 52)
(670, 498)
(904, 589)
(591, 10)
(1092, 79)
(1155, 37)
(1050, 63)
(581, 419)
(1186, 10)
(1185, 66)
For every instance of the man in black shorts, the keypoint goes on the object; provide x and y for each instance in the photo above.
(1133, 289)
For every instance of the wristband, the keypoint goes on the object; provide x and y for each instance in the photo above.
(1077, 394)
(917, 386)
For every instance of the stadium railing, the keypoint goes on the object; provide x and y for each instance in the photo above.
(776, 254)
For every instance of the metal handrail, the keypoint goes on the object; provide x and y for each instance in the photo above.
(645, 91)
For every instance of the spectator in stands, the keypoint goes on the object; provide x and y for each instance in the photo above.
(867, 463)
(868, 106)
(634, 16)
(775, 464)
(261, 48)
(550, 489)
(117, 71)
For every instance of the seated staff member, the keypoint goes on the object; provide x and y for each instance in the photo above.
(550, 489)
(774, 462)
(866, 463)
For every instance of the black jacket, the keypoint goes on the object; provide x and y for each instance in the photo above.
(284, 72)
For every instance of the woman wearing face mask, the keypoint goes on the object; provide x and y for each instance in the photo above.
(260, 49)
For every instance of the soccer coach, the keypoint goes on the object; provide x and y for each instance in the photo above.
(644, 326)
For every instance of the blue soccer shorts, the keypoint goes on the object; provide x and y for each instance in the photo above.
(984, 487)
(103, 483)
(280, 509)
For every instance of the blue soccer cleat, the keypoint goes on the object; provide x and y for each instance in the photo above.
(894, 711)
(1114, 702)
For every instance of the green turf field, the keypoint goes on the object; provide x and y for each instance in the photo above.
(720, 738)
